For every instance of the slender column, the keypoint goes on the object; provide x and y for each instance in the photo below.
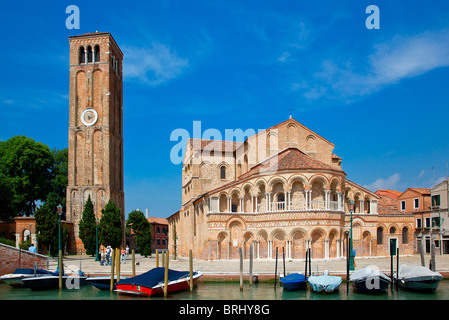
(228, 204)
(306, 193)
(289, 202)
(242, 203)
(326, 199)
(338, 247)
(326, 248)
(338, 200)
(362, 207)
(310, 199)
(268, 201)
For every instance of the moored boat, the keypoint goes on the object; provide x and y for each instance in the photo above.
(102, 283)
(151, 283)
(293, 281)
(15, 279)
(324, 283)
(52, 281)
(369, 280)
(417, 278)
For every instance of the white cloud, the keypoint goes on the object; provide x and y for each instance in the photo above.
(399, 58)
(392, 182)
(154, 65)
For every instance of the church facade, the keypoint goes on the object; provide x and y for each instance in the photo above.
(281, 188)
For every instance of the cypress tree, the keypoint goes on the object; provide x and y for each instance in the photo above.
(110, 230)
(87, 227)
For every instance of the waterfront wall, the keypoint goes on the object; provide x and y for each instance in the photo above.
(12, 258)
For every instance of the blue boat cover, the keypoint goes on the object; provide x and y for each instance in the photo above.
(153, 277)
(31, 271)
(293, 278)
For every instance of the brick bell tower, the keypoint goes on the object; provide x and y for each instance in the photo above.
(95, 157)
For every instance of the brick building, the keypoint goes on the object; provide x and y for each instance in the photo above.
(159, 233)
(416, 201)
(282, 187)
(439, 215)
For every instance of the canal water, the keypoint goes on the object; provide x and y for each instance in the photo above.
(225, 291)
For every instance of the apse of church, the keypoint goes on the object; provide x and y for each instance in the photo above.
(281, 188)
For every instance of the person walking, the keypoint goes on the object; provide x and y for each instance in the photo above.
(108, 255)
(122, 256)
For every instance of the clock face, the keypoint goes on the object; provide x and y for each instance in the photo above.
(89, 116)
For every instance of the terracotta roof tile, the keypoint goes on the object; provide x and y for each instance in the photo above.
(157, 220)
(288, 159)
(215, 145)
(421, 190)
(391, 193)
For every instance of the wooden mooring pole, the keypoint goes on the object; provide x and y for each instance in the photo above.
(307, 258)
(111, 286)
(191, 269)
(134, 262)
(347, 262)
(117, 263)
(397, 269)
(60, 269)
(276, 268)
(310, 262)
(241, 267)
(251, 254)
(166, 276)
(283, 258)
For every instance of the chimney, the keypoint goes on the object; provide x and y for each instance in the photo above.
(146, 213)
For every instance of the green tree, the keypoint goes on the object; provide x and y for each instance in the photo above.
(47, 225)
(110, 230)
(87, 227)
(26, 167)
(59, 181)
(142, 229)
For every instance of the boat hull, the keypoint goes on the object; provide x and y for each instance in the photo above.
(371, 285)
(172, 287)
(418, 278)
(15, 279)
(420, 284)
(294, 286)
(102, 283)
(52, 282)
(293, 282)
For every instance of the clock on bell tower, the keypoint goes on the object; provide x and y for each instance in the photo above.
(95, 159)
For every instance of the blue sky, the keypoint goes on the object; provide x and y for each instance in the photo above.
(381, 96)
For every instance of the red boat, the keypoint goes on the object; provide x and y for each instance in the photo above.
(151, 283)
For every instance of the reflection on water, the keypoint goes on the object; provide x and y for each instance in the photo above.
(227, 291)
